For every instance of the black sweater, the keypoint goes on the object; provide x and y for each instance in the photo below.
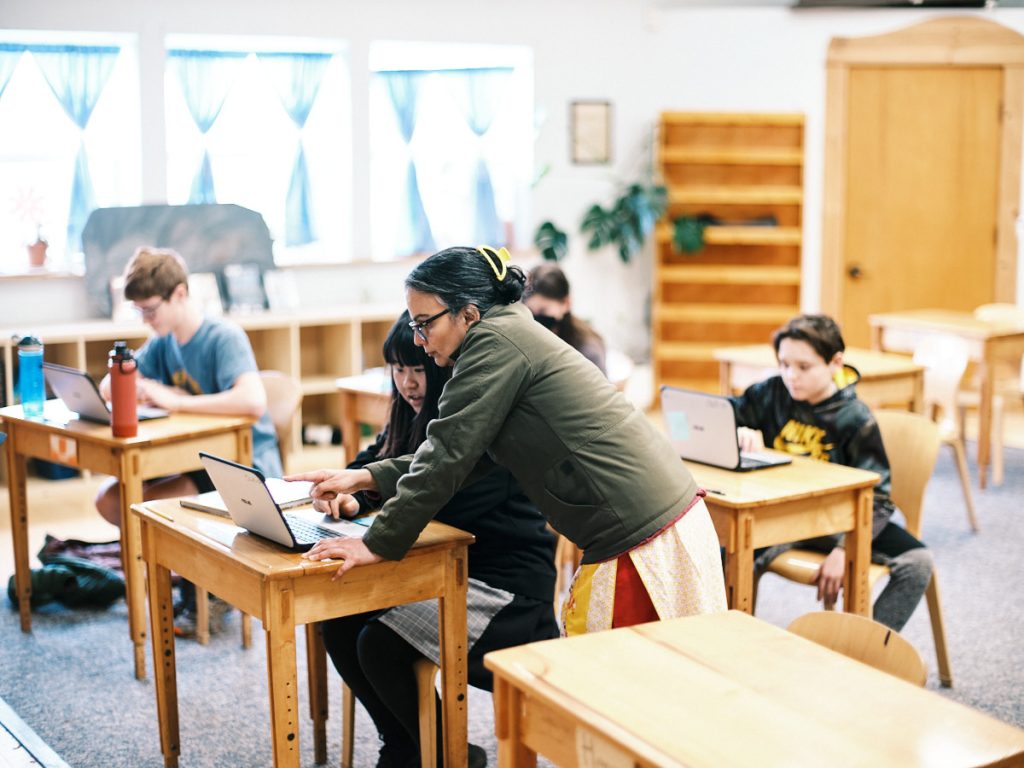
(514, 550)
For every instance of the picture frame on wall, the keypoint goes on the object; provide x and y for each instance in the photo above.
(590, 132)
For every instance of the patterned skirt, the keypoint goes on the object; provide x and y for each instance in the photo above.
(676, 573)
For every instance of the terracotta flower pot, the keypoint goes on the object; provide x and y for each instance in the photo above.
(37, 253)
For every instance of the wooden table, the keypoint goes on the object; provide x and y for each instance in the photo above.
(793, 502)
(162, 447)
(365, 399)
(725, 689)
(886, 380)
(989, 343)
(283, 590)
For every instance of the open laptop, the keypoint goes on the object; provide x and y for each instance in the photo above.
(81, 395)
(702, 428)
(251, 506)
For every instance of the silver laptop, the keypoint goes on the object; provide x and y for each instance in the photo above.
(81, 395)
(251, 506)
(702, 428)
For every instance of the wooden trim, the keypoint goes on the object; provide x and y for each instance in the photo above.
(1008, 202)
(834, 190)
(949, 40)
(733, 118)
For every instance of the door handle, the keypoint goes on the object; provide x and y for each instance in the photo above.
(855, 272)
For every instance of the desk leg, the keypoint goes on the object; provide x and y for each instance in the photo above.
(986, 372)
(508, 726)
(316, 665)
(454, 663)
(161, 617)
(19, 529)
(349, 427)
(917, 404)
(725, 377)
(131, 556)
(858, 557)
(739, 566)
(279, 610)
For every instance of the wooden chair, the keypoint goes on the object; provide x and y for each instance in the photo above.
(284, 396)
(865, 640)
(1009, 384)
(912, 445)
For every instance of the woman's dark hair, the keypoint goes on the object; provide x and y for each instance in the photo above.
(820, 331)
(462, 276)
(549, 281)
(406, 428)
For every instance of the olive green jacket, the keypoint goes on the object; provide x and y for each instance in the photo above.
(521, 397)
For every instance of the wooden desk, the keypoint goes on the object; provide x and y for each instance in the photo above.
(989, 343)
(162, 447)
(796, 501)
(365, 399)
(886, 380)
(724, 689)
(284, 590)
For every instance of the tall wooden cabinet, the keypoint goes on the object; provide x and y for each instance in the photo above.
(737, 168)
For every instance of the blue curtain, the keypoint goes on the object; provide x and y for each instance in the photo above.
(483, 89)
(206, 78)
(297, 77)
(10, 55)
(416, 236)
(77, 75)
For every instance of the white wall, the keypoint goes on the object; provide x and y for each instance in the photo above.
(643, 56)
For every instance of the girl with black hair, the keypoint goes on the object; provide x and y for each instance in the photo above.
(547, 297)
(521, 398)
(511, 570)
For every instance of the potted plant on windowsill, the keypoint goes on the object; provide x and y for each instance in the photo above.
(37, 250)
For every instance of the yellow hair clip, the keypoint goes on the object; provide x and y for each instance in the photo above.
(498, 258)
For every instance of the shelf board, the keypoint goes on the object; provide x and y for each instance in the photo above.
(729, 274)
(686, 351)
(732, 156)
(733, 118)
(319, 385)
(730, 313)
(741, 235)
(737, 195)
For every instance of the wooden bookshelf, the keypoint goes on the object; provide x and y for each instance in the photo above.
(745, 282)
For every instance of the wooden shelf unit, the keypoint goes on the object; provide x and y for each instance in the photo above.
(314, 347)
(745, 282)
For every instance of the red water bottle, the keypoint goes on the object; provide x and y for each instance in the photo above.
(122, 367)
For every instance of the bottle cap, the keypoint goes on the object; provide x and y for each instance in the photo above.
(30, 341)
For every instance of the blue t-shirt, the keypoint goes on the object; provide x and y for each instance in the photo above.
(211, 362)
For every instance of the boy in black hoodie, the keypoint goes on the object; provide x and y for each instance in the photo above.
(811, 409)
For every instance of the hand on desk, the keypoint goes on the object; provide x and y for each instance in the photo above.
(342, 505)
(329, 483)
(352, 552)
(152, 392)
(749, 439)
(830, 576)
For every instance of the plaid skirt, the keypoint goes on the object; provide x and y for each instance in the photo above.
(676, 573)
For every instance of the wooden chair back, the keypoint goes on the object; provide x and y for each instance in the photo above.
(284, 396)
(944, 359)
(912, 444)
(865, 640)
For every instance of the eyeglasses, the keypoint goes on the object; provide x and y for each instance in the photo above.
(150, 311)
(420, 326)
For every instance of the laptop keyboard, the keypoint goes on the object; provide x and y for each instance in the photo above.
(306, 532)
(755, 459)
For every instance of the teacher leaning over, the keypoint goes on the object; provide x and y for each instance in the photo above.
(521, 397)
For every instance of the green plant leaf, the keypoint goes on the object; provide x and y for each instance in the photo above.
(688, 234)
(551, 241)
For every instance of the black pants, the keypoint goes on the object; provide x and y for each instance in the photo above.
(377, 665)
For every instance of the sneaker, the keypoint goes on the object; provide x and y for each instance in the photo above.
(185, 622)
(477, 757)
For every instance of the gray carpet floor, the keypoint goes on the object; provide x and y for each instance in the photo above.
(71, 680)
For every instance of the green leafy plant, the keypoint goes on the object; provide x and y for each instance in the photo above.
(688, 233)
(551, 241)
(628, 221)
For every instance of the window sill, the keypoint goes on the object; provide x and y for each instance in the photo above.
(40, 273)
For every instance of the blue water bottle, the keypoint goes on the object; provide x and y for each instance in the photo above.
(30, 376)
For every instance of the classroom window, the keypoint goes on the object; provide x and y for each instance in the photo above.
(259, 103)
(451, 146)
(53, 172)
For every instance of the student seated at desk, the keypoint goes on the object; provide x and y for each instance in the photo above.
(511, 569)
(811, 409)
(522, 399)
(193, 364)
(547, 297)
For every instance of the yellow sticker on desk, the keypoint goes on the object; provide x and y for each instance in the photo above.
(64, 450)
(594, 752)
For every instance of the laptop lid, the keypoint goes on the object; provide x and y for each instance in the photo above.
(80, 395)
(702, 428)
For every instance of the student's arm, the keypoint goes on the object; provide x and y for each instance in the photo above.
(246, 397)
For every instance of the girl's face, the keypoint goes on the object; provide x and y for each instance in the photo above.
(444, 334)
(806, 374)
(411, 383)
(544, 306)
